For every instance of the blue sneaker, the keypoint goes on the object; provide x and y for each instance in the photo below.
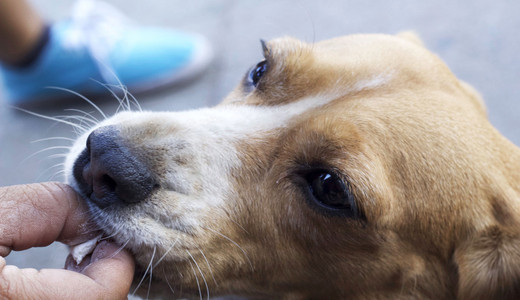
(99, 48)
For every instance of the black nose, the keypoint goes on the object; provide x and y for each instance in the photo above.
(108, 173)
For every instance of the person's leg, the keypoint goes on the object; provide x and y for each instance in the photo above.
(20, 29)
(94, 52)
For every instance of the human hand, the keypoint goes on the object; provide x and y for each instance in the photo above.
(36, 215)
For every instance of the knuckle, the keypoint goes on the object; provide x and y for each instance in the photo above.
(11, 286)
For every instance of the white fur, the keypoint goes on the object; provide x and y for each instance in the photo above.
(372, 83)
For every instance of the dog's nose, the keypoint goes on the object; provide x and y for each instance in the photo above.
(109, 173)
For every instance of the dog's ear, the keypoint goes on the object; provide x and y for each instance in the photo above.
(489, 264)
(475, 97)
(411, 36)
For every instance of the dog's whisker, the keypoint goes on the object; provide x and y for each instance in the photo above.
(53, 138)
(110, 88)
(135, 101)
(82, 121)
(58, 155)
(78, 132)
(119, 249)
(124, 102)
(180, 276)
(238, 224)
(59, 165)
(45, 150)
(121, 101)
(196, 278)
(115, 231)
(96, 107)
(93, 119)
(56, 174)
(201, 273)
(168, 282)
(59, 172)
(41, 175)
(165, 253)
(151, 273)
(209, 266)
(121, 106)
(234, 243)
(74, 125)
(111, 236)
(125, 97)
(145, 272)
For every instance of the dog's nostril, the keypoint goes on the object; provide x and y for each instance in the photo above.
(109, 173)
(108, 184)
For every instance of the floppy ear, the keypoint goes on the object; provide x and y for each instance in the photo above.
(489, 265)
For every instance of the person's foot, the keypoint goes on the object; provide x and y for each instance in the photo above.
(98, 49)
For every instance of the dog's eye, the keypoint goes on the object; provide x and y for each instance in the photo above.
(257, 72)
(331, 193)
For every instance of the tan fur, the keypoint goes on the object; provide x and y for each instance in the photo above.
(439, 186)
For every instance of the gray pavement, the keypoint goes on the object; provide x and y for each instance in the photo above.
(478, 39)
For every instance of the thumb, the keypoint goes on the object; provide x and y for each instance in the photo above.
(111, 267)
(107, 277)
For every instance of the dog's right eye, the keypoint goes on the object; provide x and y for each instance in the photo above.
(329, 193)
(257, 72)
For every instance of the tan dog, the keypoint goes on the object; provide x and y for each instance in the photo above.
(354, 168)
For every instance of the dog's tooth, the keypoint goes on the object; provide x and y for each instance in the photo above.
(79, 252)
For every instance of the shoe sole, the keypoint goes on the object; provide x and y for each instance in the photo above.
(201, 60)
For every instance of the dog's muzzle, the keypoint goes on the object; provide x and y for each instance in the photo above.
(108, 173)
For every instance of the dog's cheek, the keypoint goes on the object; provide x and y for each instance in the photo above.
(489, 265)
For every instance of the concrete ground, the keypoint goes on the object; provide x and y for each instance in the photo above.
(478, 39)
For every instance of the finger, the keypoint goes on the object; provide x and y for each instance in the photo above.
(38, 214)
(108, 277)
(111, 267)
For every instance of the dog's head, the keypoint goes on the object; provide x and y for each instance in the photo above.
(357, 167)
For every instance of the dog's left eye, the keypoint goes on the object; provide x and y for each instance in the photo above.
(331, 193)
(257, 72)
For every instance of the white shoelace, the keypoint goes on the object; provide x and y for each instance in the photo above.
(97, 26)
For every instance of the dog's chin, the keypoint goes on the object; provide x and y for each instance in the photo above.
(152, 278)
(156, 287)
(159, 282)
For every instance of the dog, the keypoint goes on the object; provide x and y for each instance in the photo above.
(357, 167)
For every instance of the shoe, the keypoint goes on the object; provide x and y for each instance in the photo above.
(98, 51)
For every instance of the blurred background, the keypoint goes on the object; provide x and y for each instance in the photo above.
(478, 40)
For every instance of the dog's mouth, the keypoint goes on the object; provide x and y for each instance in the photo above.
(151, 259)
(115, 184)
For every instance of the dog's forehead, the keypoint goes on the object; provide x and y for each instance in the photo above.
(341, 66)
